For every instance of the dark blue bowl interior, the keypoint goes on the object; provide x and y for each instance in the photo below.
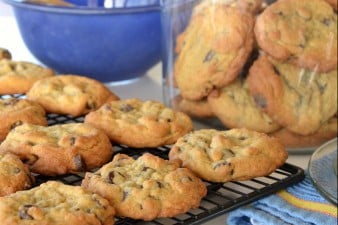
(103, 45)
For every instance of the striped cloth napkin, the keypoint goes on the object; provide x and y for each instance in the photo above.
(300, 204)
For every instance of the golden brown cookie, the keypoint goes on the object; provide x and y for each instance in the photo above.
(197, 109)
(299, 100)
(14, 112)
(5, 54)
(236, 154)
(17, 77)
(14, 175)
(213, 49)
(325, 133)
(59, 149)
(54, 203)
(70, 94)
(140, 124)
(146, 188)
(236, 108)
(300, 32)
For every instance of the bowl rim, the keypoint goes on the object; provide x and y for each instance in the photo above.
(80, 9)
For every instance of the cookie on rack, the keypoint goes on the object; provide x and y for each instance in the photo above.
(212, 50)
(14, 112)
(70, 94)
(326, 132)
(55, 203)
(298, 99)
(146, 188)
(197, 109)
(140, 124)
(14, 175)
(236, 108)
(231, 155)
(59, 149)
(5, 54)
(300, 32)
(17, 77)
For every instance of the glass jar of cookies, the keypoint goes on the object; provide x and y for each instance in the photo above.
(269, 66)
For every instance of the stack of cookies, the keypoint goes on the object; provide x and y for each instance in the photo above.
(272, 69)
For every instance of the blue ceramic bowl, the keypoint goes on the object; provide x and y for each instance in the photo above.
(108, 44)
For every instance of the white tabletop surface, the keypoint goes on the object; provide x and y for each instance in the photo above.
(147, 88)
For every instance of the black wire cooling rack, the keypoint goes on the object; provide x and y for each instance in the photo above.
(221, 197)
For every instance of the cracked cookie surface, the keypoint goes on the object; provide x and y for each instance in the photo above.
(146, 188)
(18, 77)
(299, 100)
(70, 94)
(54, 203)
(300, 32)
(236, 154)
(59, 149)
(14, 175)
(139, 124)
(212, 50)
(14, 112)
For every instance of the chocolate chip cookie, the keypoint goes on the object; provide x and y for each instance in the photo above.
(298, 99)
(14, 175)
(59, 149)
(70, 94)
(236, 108)
(140, 124)
(303, 33)
(14, 112)
(54, 203)
(146, 188)
(18, 77)
(213, 49)
(236, 154)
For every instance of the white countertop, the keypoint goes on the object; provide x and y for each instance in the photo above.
(147, 87)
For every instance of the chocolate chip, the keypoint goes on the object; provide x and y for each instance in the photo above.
(220, 164)
(72, 140)
(125, 195)
(209, 56)
(242, 138)
(159, 184)
(126, 108)
(17, 123)
(260, 100)
(326, 21)
(79, 163)
(23, 212)
(110, 177)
